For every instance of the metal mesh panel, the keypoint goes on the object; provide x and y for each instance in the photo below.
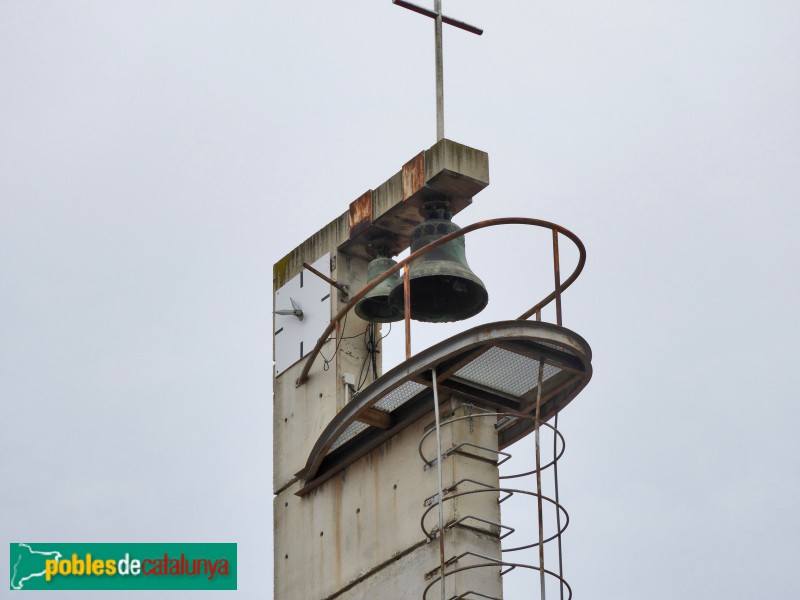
(348, 434)
(388, 403)
(506, 371)
(399, 396)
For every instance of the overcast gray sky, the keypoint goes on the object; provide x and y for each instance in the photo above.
(156, 158)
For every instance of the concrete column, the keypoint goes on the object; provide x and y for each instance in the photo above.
(358, 534)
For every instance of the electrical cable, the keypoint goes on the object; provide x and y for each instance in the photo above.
(326, 363)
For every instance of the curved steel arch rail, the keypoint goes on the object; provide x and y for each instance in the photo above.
(468, 364)
(535, 309)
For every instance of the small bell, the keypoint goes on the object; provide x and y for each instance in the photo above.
(375, 306)
(443, 287)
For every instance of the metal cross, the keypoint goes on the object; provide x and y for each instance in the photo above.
(439, 18)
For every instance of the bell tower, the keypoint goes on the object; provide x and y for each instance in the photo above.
(389, 480)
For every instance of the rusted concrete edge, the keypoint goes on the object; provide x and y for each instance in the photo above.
(447, 156)
(462, 170)
(447, 168)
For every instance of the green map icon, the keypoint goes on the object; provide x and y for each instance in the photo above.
(28, 564)
(122, 566)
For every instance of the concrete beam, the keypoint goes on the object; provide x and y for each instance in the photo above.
(387, 215)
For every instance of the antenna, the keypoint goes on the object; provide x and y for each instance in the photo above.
(439, 18)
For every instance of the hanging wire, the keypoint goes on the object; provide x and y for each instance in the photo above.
(363, 373)
(372, 348)
(383, 337)
(371, 345)
(326, 362)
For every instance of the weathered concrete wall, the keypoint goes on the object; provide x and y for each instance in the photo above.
(358, 535)
(361, 518)
(300, 413)
(357, 524)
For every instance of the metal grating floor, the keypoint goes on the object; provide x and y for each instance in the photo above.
(506, 371)
(348, 434)
(396, 398)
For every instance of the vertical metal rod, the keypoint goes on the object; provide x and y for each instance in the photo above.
(558, 505)
(557, 275)
(539, 478)
(437, 7)
(407, 309)
(439, 469)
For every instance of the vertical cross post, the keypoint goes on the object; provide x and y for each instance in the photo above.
(439, 19)
(439, 72)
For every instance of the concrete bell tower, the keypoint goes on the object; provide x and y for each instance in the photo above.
(387, 481)
(387, 478)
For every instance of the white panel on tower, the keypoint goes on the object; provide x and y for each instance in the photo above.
(302, 311)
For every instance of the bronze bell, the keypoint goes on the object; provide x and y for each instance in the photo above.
(443, 287)
(375, 306)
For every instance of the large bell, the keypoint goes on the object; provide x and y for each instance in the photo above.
(443, 287)
(375, 306)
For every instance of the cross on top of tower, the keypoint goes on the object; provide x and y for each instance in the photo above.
(439, 18)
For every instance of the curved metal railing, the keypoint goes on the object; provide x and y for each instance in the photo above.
(403, 264)
(449, 568)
